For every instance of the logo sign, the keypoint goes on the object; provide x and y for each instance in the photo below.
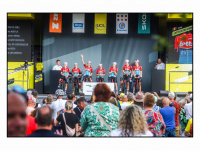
(121, 23)
(78, 21)
(55, 23)
(100, 23)
(143, 23)
(182, 30)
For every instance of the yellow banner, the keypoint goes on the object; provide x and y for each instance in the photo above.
(178, 77)
(18, 76)
(100, 23)
(179, 15)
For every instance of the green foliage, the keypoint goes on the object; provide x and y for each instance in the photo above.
(161, 43)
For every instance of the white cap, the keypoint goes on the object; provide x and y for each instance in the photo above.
(65, 63)
(137, 60)
(127, 60)
(114, 63)
(171, 94)
(190, 96)
(75, 63)
(89, 62)
(100, 64)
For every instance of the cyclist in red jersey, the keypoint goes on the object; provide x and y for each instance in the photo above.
(127, 75)
(113, 75)
(88, 72)
(65, 73)
(137, 73)
(100, 73)
(76, 72)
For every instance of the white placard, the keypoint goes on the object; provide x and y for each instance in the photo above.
(88, 87)
(121, 23)
(78, 23)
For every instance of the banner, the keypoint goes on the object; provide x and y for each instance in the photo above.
(121, 23)
(100, 23)
(78, 25)
(55, 23)
(88, 87)
(143, 23)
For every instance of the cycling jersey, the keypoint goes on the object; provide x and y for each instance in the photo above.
(65, 71)
(127, 68)
(88, 70)
(76, 71)
(184, 44)
(137, 70)
(113, 74)
(100, 72)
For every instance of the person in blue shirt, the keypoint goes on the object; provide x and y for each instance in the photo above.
(168, 114)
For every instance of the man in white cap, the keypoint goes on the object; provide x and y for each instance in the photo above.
(113, 75)
(88, 72)
(188, 108)
(65, 73)
(100, 73)
(137, 73)
(177, 107)
(57, 66)
(127, 74)
(76, 72)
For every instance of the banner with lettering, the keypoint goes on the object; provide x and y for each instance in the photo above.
(100, 23)
(144, 23)
(55, 23)
(121, 23)
(78, 23)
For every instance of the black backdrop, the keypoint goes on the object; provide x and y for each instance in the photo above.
(104, 48)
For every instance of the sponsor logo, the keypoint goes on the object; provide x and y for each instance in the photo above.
(182, 30)
(144, 20)
(78, 25)
(122, 25)
(100, 26)
(186, 44)
(55, 25)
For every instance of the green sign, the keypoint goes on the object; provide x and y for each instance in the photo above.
(144, 23)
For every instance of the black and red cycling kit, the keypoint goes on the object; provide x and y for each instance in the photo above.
(88, 71)
(112, 75)
(137, 70)
(76, 74)
(127, 69)
(100, 72)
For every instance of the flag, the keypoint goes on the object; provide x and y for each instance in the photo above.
(121, 23)
(55, 23)
(78, 23)
(100, 23)
(143, 23)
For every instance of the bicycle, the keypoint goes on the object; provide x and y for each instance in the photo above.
(136, 84)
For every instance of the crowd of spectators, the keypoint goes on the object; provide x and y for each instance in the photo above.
(105, 114)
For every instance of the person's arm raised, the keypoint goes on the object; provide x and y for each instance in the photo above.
(82, 59)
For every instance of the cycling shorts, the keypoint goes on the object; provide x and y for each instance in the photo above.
(112, 78)
(140, 79)
(65, 79)
(76, 78)
(98, 79)
(127, 78)
(85, 78)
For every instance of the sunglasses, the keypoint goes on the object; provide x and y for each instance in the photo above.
(16, 88)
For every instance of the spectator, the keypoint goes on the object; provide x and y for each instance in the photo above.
(109, 114)
(16, 114)
(188, 109)
(124, 102)
(72, 98)
(71, 119)
(59, 104)
(168, 114)
(131, 98)
(139, 99)
(49, 101)
(120, 97)
(29, 92)
(33, 113)
(177, 107)
(116, 97)
(132, 122)
(44, 101)
(31, 104)
(81, 102)
(155, 107)
(45, 122)
(187, 99)
(113, 101)
(82, 95)
(159, 103)
(154, 120)
(188, 127)
(183, 120)
(35, 94)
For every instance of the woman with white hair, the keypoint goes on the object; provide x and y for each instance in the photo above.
(113, 75)
(132, 122)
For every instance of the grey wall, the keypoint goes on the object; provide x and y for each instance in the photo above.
(105, 49)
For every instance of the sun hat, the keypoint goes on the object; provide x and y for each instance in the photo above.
(139, 97)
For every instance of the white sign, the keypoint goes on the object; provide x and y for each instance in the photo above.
(121, 23)
(78, 23)
(88, 87)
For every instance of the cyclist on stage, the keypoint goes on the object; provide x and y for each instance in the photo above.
(127, 75)
(113, 75)
(76, 73)
(100, 73)
(88, 72)
(137, 73)
(64, 72)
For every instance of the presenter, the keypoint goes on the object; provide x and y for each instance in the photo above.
(113, 75)
(160, 65)
(57, 66)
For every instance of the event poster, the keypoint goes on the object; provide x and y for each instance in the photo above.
(180, 36)
(78, 23)
(121, 23)
(55, 23)
(100, 23)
